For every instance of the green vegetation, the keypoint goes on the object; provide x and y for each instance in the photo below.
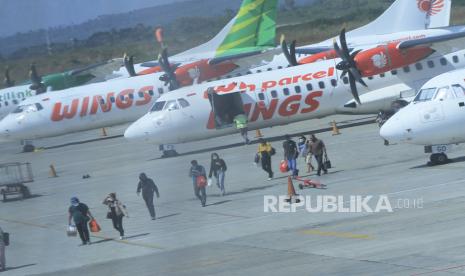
(313, 23)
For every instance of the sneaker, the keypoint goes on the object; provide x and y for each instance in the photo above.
(121, 237)
(89, 243)
(270, 178)
(153, 218)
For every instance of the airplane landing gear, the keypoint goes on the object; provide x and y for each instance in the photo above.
(438, 159)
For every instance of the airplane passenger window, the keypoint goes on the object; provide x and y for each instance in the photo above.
(0, 104)
(419, 66)
(458, 90)
(382, 75)
(160, 90)
(121, 97)
(274, 93)
(112, 99)
(280, 67)
(345, 80)
(430, 64)
(286, 91)
(6, 103)
(425, 95)
(321, 84)
(309, 87)
(261, 96)
(259, 71)
(333, 82)
(394, 72)
(406, 69)
(455, 59)
(102, 101)
(131, 96)
(269, 69)
(297, 89)
(183, 103)
(141, 94)
(443, 61)
(157, 106)
(15, 101)
(444, 93)
(171, 105)
(151, 92)
(39, 106)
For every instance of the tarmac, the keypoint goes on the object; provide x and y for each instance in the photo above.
(233, 235)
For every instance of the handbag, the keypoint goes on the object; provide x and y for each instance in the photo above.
(327, 162)
(201, 181)
(109, 215)
(256, 158)
(273, 151)
(94, 227)
(71, 231)
(210, 181)
(283, 166)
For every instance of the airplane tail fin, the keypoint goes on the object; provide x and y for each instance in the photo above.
(408, 15)
(252, 29)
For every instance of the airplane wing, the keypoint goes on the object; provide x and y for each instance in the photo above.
(443, 44)
(100, 70)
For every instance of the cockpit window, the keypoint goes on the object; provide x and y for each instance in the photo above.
(425, 95)
(28, 108)
(183, 103)
(458, 90)
(157, 106)
(444, 93)
(171, 105)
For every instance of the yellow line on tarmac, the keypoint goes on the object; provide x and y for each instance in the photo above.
(152, 246)
(337, 234)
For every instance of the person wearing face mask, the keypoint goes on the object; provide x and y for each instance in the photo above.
(148, 188)
(218, 169)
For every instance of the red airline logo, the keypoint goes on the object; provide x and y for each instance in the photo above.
(431, 7)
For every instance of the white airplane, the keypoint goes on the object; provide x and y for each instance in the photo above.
(294, 94)
(123, 101)
(435, 117)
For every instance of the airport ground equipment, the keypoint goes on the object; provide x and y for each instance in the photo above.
(13, 177)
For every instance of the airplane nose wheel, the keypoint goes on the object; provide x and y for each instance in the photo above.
(438, 159)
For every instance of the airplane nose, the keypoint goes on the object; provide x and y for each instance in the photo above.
(392, 130)
(137, 130)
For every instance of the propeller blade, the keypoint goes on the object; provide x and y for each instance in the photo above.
(353, 88)
(129, 65)
(36, 81)
(169, 77)
(292, 52)
(291, 59)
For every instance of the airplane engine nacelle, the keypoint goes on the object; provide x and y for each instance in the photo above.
(331, 54)
(201, 71)
(388, 57)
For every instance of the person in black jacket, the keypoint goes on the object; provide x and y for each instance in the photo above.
(218, 169)
(290, 154)
(148, 187)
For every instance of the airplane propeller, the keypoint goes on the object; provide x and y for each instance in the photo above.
(36, 80)
(289, 52)
(169, 77)
(348, 65)
(8, 81)
(129, 65)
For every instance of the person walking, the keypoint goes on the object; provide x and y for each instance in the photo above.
(148, 188)
(308, 157)
(318, 149)
(218, 169)
(2, 251)
(81, 215)
(196, 172)
(116, 212)
(290, 154)
(265, 151)
(240, 121)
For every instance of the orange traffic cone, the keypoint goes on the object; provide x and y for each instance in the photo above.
(258, 133)
(335, 129)
(291, 191)
(53, 172)
(104, 132)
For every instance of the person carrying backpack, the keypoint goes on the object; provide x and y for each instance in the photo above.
(290, 154)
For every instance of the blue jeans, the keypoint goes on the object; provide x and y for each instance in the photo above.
(292, 164)
(220, 180)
